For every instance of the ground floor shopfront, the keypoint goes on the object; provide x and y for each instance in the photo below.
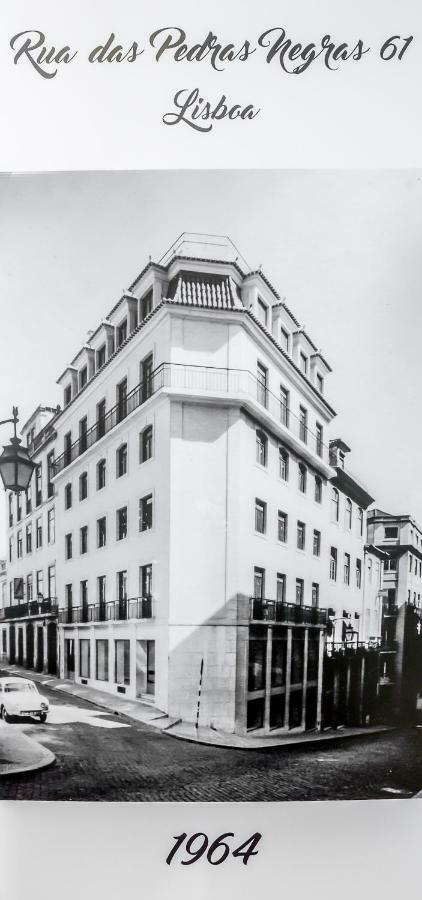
(32, 643)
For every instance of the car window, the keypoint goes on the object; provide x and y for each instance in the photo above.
(13, 686)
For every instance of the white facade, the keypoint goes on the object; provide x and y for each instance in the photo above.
(220, 372)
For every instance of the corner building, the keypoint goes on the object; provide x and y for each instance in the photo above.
(210, 539)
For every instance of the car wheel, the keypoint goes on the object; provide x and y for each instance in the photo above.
(43, 717)
(4, 714)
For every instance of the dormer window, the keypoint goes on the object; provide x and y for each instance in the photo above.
(285, 340)
(101, 356)
(122, 333)
(262, 312)
(341, 459)
(320, 383)
(83, 377)
(146, 305)
(303, 360)
(67, 394)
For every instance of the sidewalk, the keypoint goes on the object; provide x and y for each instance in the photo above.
(19, 753)
(156, 718)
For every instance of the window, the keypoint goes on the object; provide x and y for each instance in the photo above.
(262, 384)
(101, 531)
(333, 564)
(299, 591)
(260, 516)
(101, 474)
(122, 662)
(121, 461)
(68, 496)
(121, 528)
(335, 505)
(285, 340)
(315, 594)
(146, 305)
(83, 428)
(146, 377)
(84, 600)
(145, 513)
(52, 582)
(40, 584)
(369, 571)
(50, 474)
(18, 507)
(83, 377)
(84, 658)
(316, 545)
(19, 544)
(259, 583)
(303, 424)
(101, 591)
(28, 499)
(261, 448)
(67, 394)
(101, 419)
(83, 539)
(29, 590)
(121, 394)
(38, 533)
(320, 383)
(145, 444)
(416, 566)
(348, 514)
(10, 510)
(358, 573)
(303, 361)
(302, 476)
(68, 548)
(28, 538)
(284, 406)
(318, 489)
(101, 661)
(410, 562)
(346, 577)
(391, 533)
(282, 526)
(262, 312)
(301, 535)
(360, 521)
(11, 549)
(38, 484)
(122, 586)
(390, 565)
(319, 433)
(283, 464)
(67, 448)
(101, 356)
(83, 486)
(145, 580)
(122, 333)
(281, 588)
(69, 601)
(51, 526)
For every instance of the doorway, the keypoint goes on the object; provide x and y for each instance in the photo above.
(69, 658)
(20, 646)
(40, 649)
(145, 668)
(30, 645)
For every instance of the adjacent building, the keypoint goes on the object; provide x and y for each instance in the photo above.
(206, 524)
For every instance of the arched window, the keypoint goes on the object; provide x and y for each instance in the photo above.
(348, 514)
(335, 505)
(261, 447)
(101, 474)
(302, 473)
(318, 489)
(121, 460)
(283, 462)
(145, 444)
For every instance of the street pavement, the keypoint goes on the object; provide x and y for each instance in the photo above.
(100, 756)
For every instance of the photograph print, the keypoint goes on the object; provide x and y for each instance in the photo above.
(211, 556)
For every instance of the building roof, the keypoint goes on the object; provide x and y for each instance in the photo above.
(209, 291)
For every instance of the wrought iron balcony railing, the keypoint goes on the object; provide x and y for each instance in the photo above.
(111, 611)
(263, 610)
(31, 608)
(236, 382)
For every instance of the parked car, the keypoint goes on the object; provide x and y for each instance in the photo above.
(21, 697)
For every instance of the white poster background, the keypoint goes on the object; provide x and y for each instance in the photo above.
(110, 117)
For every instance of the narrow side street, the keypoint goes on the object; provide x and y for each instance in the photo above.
(107, 757)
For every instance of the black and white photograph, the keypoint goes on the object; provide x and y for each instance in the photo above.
(211, 523)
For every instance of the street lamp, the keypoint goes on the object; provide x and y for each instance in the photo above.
(16, 467)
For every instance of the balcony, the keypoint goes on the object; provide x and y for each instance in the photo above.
(389, 609)
(48, 606)
(237, 384)
(112, 611)
(262, 610)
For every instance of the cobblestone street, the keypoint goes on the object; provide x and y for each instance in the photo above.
(105, 757)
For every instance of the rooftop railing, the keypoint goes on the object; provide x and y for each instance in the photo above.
(263, 610)
(205, 379)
